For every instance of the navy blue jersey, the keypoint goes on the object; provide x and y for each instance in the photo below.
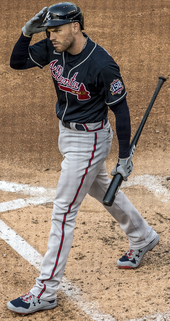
(86, 83)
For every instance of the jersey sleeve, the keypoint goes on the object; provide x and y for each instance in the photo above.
(20, 57)
(38, 53)
(123, 127)
(112, 84)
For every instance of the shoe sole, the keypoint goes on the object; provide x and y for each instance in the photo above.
(131, 267)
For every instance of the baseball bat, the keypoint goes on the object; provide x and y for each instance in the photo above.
(117, 179)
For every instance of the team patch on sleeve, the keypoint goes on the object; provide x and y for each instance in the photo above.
(116, 87)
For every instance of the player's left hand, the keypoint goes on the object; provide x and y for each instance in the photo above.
(32, 26)
(124, 167)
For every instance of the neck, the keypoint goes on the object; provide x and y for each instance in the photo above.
(77, 45)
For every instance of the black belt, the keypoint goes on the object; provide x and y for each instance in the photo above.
(83, 127)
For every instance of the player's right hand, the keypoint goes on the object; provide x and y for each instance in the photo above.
(32, 25)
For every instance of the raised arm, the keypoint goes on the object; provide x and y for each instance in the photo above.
(20, 55)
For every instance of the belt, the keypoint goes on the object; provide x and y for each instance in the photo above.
(84, 127)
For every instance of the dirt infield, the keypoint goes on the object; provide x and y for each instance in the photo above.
(136, 34)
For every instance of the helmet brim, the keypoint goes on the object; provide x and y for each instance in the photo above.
(54, 23)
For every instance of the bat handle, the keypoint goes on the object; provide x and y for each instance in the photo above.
(117, 180)
(113, 190)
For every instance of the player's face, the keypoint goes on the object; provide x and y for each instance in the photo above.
(62, 37)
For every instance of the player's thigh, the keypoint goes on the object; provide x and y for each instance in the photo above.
(84, 154)
(77, 175)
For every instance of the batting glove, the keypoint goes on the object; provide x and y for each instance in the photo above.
(32, 25)
(123, 167)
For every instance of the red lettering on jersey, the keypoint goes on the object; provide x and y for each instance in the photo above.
(72, 81)
(68, 85)
(53, 68)
(81, 93)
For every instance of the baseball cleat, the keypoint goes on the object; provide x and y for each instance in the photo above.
(132, 258)
(29, 303)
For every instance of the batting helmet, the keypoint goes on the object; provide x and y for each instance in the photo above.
(63, 13)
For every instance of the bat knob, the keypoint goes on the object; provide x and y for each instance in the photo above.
(163, 78)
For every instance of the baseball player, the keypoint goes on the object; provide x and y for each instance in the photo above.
(87, 81)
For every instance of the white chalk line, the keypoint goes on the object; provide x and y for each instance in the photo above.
(30, 254)
(21, 188)
(20, 203)
(152, 183)
(35, 259)
(39, 195)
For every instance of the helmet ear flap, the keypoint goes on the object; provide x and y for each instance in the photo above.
(48, 34)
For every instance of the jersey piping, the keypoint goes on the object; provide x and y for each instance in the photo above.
(116, 101)
(69, 75)
(35, 61)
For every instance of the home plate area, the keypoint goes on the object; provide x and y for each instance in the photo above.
(93, 288)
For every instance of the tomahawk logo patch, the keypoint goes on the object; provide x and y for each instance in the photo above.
(69, 85)
(116, 87)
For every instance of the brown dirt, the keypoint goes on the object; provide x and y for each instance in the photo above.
(136, 34)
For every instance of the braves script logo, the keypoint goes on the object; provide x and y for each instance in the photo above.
(69, 85)
(116, 87)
